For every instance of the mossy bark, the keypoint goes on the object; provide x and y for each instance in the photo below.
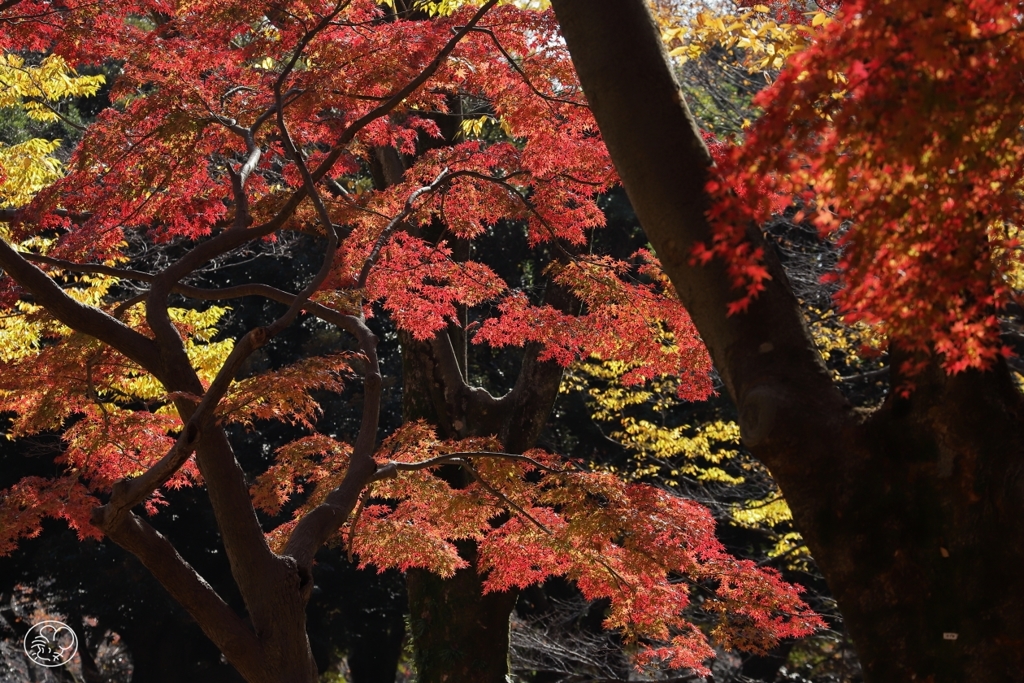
(459, 634)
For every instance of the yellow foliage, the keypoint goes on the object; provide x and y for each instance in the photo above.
(446, 7)
(685, 450)
(31, 87)
(701, 453)
(197, 329)
(765, 43)
(833, 336)
(21, 334)
(768, 514)
(28, 167)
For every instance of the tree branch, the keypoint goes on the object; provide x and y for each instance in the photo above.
(227, 630)
(77, 316)
(315, 527)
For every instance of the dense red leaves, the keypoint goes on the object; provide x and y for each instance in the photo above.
(901, 122)
(638, 323)
(419, 284)
(32, 499)
(309, 460)
(641, 548)
(284, 395)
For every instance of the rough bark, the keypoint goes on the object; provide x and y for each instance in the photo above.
(914, 513)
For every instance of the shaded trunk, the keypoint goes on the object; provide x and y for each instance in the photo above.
(915, 513)
(459, 634)
(922, 547)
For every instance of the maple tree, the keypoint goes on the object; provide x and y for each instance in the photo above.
(394, 136)
(897, 129)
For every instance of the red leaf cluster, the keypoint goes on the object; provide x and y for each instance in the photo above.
(897, 133)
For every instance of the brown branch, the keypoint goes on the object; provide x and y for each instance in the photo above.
(315, 527)
(333, 238)
(305, 41)
(219, 622)
(466, 465)
(399, 96)
(526, 79)
(127, 493)
(410, 204)
(392, 468)
(355, 521)
(77, 316)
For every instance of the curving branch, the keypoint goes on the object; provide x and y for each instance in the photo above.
(127, 493)
(526, 79)
(316, 527)
(391, 469)
(443, 178)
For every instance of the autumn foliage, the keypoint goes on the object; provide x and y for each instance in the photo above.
(234, 123)
(923, 200)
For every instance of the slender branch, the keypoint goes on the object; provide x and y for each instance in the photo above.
(315, 527)
(96, 268)
(392, 468)
(399, 96)
(305, 41)
(526, 79)
(332, 234)
(466, 465)
(410, 204)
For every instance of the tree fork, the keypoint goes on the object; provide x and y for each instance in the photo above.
(913, 516)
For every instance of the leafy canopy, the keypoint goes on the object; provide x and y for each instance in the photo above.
(235, 125)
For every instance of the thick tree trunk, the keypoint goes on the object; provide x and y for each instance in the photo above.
(459, 634)
(924, 550)
(915, 514)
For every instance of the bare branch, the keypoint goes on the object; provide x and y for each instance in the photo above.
(526, 79)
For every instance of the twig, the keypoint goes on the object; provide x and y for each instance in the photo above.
(355, 520)
(443, 177)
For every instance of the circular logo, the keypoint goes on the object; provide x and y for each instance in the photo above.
(51, 643)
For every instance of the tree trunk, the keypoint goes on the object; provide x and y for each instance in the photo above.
(915, 513)
(459, 634)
